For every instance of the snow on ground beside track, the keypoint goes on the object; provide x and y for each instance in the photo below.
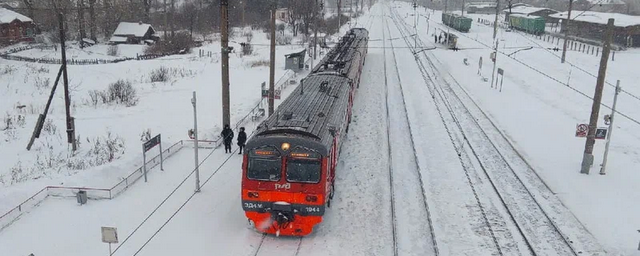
(539, 116)
(163, 107)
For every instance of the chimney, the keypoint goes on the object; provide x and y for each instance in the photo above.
(301, 86)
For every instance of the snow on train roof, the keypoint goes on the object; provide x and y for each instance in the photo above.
(621, 20)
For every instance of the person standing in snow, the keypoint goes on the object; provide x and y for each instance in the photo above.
(227, 136)
(242, 138)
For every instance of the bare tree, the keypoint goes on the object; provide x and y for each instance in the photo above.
(92, 19)
(80, 5)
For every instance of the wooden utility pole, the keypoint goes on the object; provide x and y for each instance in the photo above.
(82, 34)
(272, 61)
(71, 135)
(224, 31)
(587, 159)
(495, 22)
(566, 32)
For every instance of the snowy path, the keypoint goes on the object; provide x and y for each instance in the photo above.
(541, 232)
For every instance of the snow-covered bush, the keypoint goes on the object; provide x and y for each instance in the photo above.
(160, 74)
(41, 83)
(122, 92)
(258, 63)
(113, 50)
(50, 127)
(8, 70)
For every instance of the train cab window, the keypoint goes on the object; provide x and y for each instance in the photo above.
(264, 164)
(304, 167)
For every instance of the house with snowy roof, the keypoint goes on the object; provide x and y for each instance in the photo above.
(15, 27)
(134, 33)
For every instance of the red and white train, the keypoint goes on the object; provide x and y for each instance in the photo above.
(289, 165)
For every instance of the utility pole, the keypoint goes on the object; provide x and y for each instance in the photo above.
(446, 5)
(587, 158)
(566, 32)
(462, 8)
(495, 22)
(195, 140)
(495, 63)
(272, 62)
(613, 112)
(224, 30)
(71, 135)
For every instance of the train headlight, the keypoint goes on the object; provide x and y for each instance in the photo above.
(311, 198)
(285, 146)
(253, 194)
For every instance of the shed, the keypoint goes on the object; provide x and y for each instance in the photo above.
(133, 33)
(295, 61)
(531, 11)
(15, 27)
(592, 25)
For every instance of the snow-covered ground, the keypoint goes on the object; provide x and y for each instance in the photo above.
(400, 144)
(539, 115)
(27, 85)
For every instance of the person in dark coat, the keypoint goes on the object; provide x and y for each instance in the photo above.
(227, 136)
(242, 139)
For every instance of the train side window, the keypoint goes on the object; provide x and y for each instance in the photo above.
(265, 164)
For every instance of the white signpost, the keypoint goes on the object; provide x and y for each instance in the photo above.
(110, 236)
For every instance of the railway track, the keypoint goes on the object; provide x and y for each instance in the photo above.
(540, 232)
(431, 245)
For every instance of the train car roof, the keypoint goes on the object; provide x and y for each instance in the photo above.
(311, 110)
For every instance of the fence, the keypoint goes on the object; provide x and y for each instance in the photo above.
(92, 193)
(6, 55)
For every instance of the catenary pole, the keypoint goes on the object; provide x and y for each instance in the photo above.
(587, 158)
(613, 112)
(195, 140)
(566, 32)
(272, 58)
(224, 27)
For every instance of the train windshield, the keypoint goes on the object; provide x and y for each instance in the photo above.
(303, 170)
(264, 164)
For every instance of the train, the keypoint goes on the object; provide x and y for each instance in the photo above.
(289, 164)
(457, 22)
(530, 24)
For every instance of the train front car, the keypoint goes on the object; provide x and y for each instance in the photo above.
(289, 165)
